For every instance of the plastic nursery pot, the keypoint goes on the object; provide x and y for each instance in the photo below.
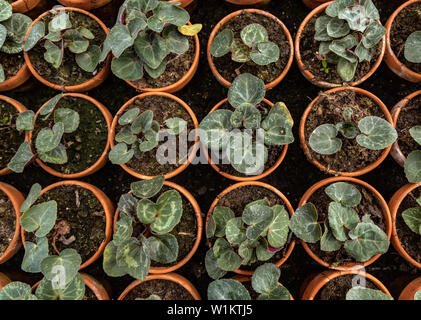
(410, 290)
(84, 4)
(396, 151)
(394, 205)
(94, 82)
(250, 178)
(17, 199)
(391, 59)
(180, 84)
(174, 277)
(243, 279)
(270, 188)
(307, 73)
(21, 108)
(4, 280)
(322, 278)
(195, 205)
(306, 148)
(229, 17)
(348, 266)
(311, 4)
(102, 159)
(22, 6)
(107, 205)
(182, 104)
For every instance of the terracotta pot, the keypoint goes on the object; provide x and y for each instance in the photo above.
(17, 199)
(392, 61)
(311, 77)
(411, 289)
(4, 280)
(229, 17)
(108, 209)
(17, 80)
(22, 6)
(21, 108)
(396, 151)
(247, 2)
(380, 201)
(249, 178)
(193, 202)
(394, 205)
(142, 96)
(94, 82)
(84, 4)
(269, 187)
(306, 148)
(320, 280)
(311, 4)
(186, 284)
(243, 279)
(189, 5)
(100, 162)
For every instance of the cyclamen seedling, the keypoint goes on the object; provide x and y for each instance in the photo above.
(412, 50)
(146, 32)
(363, 293)
(413, 161)
(127, 254)
(48, 142)
(13, 27)
(412, 217)
(362, 239)
(348, 34)
(254, 45)
(371, 132)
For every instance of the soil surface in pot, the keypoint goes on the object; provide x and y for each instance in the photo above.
(405, 23)
(312, 61)
(329, 109)
(85, 145)
(409, 116)
(237, 200)
(177, 67)
(230, 69)
(337, 288)
(69, 73)
(368, 206)
(409, 240)
(7, 222)
(10, 138)
(89, 294)
(163, 108)
(11, 64)
(167, 290)
(79, 209)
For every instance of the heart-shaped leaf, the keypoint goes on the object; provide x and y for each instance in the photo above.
(227, 289)
(164, 248)
(212, 267)
(48, 139)
(246, 115)
(17, 290)
(34, 254)
(344, 193)
(362, 293)
(74, 290)
(61, 269)
(68, 117)
(258, 218)
(412, 218)
(169, 212)
(254, 34)
(221, 44)
(89, 59)
(304, 223)
(21, 158)
(25, 121)
(33, 195)
(214, 129)
(329, 242)
(235, 233)
(377, 133)
(413, 47)
(413, 166)
(341, 220)
(40, 218)
(147, 188)
(265, 53)
(323, 139)
(246, 88)
(120, 155)
(127, 67)
(278, 229)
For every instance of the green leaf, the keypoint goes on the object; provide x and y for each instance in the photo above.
(344, 193)
(141, 5)
(335, 7)
(109, 263)
(143, 122)
(151, 53)
(323, 139)
(321, 29)
(125, 135)
(258, 218)
(304, 223)
(415, 133)
(337, 28)
(246, 115)
(361, 293)
(245, 251)
(413, 47)
(89, 59)
(239, 51)
(146, 211)
(227, 289)
(262, 250)
(53, 54)
(5, 10)
(235, 233)
(49, 290)
(127, 204)
(169, 13)
(120, 39)
(277, 293)
(348, 129)
(373, 34)
(413, 166)
(214, 129)
(40, 218)
(17, 26)
(25, 121)
(56, 156)
(417, 295)
(377, 133)
(2, 76)
(136, 22)
(62, 268)
(124, 228)
(36, 33)
(176, 42)
(265, 53)
(370, 9)
(127, 67)
(120, 155)
(48, 139)
(342, 219)
(86, 33)
(163, 248)
(17, 291)
(150, 142)
(21, 158)
(221, 216)
(33, 195)
(229, 260)
(50, 105)
(147, 188)
(133, 257)
(210, 227)
(356, 17)
(246, 88)
(412, 218)
(34, 254)
(265, 278)
(329, 242)
(221, 44)
(170, 210)
(278, 125)
(278, 229)
(346, 69)
(176, 125)
(75, 41)
(212, 267)
(128, 117)
(155, 73)
(60, 22)
(254, 34)
(68, 117)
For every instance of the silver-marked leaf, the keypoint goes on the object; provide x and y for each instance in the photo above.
(221, 44)
(21, 158)
(125, 135)
(413, 47)
(127, 204)
(265, 278)
(53, 54)
(277, 293)
(227, 289)
(155, 73)
(170, 210)
(341, 220)
(120, 39)
(124, 228)
(246, 88)
(262, 250)
(412, 218)
(265, 53)
(60, 22)
(214, 129)
(164, 248)
(151, 53)
(239, 51)
(335, 7)
(348, 129)
(413, 166)
(136, 22)
(363, 53)
(5, 10)
(346, 69)
(253, 34)
(370, 9)
(40, 218)
(212, 267)
(50, 105)
(415, 133)
(120, 155)
(34, 254)
(75, 42)
(356, 17)
(323, 139)
(56, 156)
(146, 211)
(278, 229)
(337, 28)
(258, 218)
(176, 42)
(210, 227)
(127, 67)
(147, 188)
(328, 242)
(25, 121)
(33, 195)
(109, 263)
(417, 295)
(62, 268)
(68, 117)
(229, 260)
(246, 115)
(321, 28)
(377, 133)
(133, 257)
(17, 26)
(344, 193)
(89, 59)
(17, 290)
(362, 293)
(128, 117)
(49, 290)
(221, 215)
(36, 33)
(235, 233)
(48, 139)
(170, 13)
(304, 223)
(373, 34)
(176, 125)
(143, 122)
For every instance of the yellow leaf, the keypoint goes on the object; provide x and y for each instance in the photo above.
(192, 30)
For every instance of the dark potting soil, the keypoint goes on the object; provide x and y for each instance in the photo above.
(409, 116)
(69, 73)
(368, 206)
(337, 288)
(177, 67)
(253, 294)
(312, 61)
(11, 64)
(10, 138)
(238, 198)
(409, 240)
(163, 108)
(89, 294)
(7, 222)
(405, 23)
(79, 209)
(230, 69)
(329, 109)
(167, 290)
(84, 146)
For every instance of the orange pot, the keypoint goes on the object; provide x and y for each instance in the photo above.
(269, 187)
(321, 167)
(4, 280)
(311, 4)
(251, 178)
(219, 26)
(391, 60)
(21, 108)
(396, 151)
(247, 2)
(186, 284)
(184, 3)
(394, 205)
(243, 279)
(193, 202)
(22, 6)
(321, 279)
(17, 80)
(411, 289)
(17, 199)
(100, 162)
(86, 86)
(106, 204)
(311, 77)
(348, 266)
(84, 4)
(142, 96)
